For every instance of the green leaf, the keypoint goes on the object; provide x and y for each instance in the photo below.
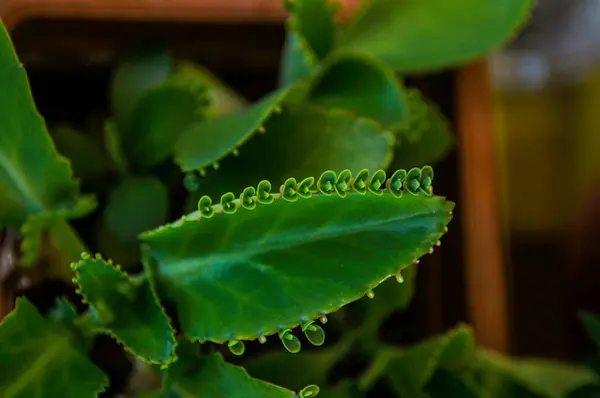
(160, 117)
(313, 21)
(33, 177)
(362, 85)
(426, 138)
(346, 389)
(297, 60)
(127, 309)
(294, 371)
(136, 205)
(40, 357)
(126, 253)
(445, 383)
(86, 154)
(208, 142)
(421, 35)
(309, 37)
(253, 273)
(114, 148)
(37, 223)
(303, 141)
(62, 247)
(410, 370)
(548, 379)
(64, 313)
(134, 76)
(210, 376)
(591, 323)
(221, 99)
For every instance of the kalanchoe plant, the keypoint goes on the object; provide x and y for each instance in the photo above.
(283, 228)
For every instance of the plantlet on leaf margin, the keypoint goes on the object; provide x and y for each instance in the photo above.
(277, 255)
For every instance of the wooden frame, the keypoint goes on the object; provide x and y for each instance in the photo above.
(485, 272)
(485, 269)
(232, 11)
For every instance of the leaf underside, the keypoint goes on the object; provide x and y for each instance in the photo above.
(236, 277)
(41, 358)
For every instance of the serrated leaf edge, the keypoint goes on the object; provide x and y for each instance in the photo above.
(377, 184)
(107, 331)
(38, 223)
(234, 150)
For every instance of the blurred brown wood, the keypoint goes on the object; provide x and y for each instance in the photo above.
(484, 266)
(13, 12)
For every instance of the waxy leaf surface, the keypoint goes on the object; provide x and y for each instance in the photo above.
(44, 358)
(418, 35)
(257, 272)
(33, 176)
(127, 309)
(193, 376)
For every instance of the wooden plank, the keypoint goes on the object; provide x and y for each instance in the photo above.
(220, 11)
(484, 266)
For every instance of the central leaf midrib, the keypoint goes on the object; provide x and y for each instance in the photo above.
(23, 188)
(178, 269)
(31, 374)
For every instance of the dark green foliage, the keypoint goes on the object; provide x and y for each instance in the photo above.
(298, 205)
